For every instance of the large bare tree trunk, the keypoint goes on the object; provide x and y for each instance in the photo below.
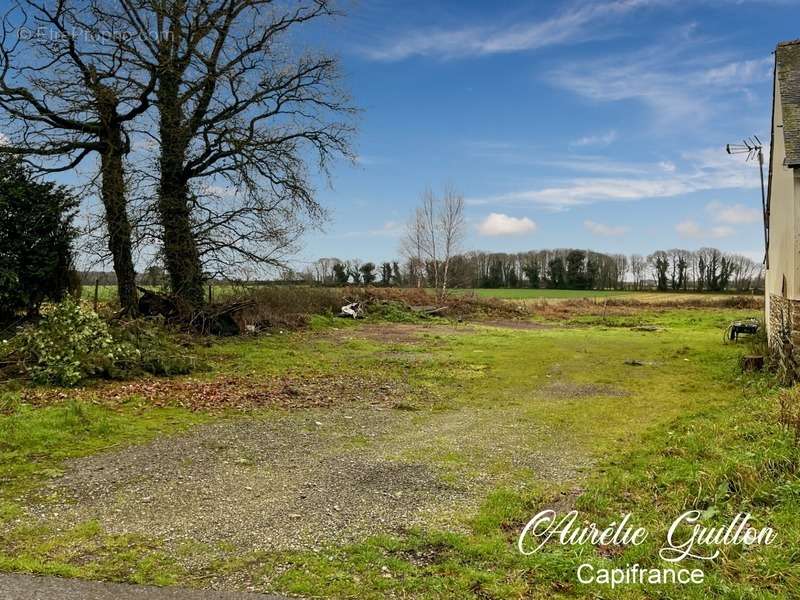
(180, 247)
(113, 197)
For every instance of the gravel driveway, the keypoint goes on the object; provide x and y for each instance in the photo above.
(287, 482)
(27, 587)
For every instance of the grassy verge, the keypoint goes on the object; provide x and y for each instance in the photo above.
(35, 440)
(34, 443)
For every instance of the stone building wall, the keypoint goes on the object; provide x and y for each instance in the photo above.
(784, 339)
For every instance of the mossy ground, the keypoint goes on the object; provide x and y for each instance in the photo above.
(686, 431)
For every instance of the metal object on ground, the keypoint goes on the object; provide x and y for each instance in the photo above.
(354, 311)
(737, 328)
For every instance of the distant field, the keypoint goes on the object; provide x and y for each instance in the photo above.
(105, 293)
(108, 293)
(524, 293)
(599, 295)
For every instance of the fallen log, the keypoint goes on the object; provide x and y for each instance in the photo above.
(428, 310)
(223, 320)
(153, 304)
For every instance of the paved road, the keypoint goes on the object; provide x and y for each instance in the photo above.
(27, 587)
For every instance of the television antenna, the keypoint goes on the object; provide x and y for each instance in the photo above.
(754, 150)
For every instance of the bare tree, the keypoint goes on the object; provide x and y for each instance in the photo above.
(66, 95)
(412, 246)
(322, 269)
(451, 229)
(746, 273)
(354, 270)
(427, 216)
(235, 108)
(638, 267)
(622, 270)
(433, 236)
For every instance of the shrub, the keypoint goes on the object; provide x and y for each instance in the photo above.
(36, 234)
(758, 343)
(70, 344)
(392, 311)
(158, 352)
(9, 403)
(289, 307)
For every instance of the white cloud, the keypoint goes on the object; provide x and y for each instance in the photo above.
(709, 169)
(500, 224)
(590, 191)
(597, 140)
(530, 154)
(722, 231)
(667, 166)
(605, 230)
(220, 191)
(664, 93)
(690, 229)
(680, 83)
(577, 23)
(757, 256)
(739, 73)
(593, 164)
(733, 214)
(367, 160)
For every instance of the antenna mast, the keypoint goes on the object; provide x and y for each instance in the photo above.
(754, 150)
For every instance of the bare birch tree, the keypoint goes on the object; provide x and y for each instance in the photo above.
(638, 267)
(428, 215)
(433, 237)
(451, 228)
(412, 246)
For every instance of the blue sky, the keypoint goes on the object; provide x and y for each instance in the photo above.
(587, 124)
(597, 124)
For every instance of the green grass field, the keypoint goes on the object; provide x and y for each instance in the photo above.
(545, 294)
(107, 293)
(595, 415)
(527, 293)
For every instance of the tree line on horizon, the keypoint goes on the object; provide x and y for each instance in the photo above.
(705, 269)
(433, 258)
